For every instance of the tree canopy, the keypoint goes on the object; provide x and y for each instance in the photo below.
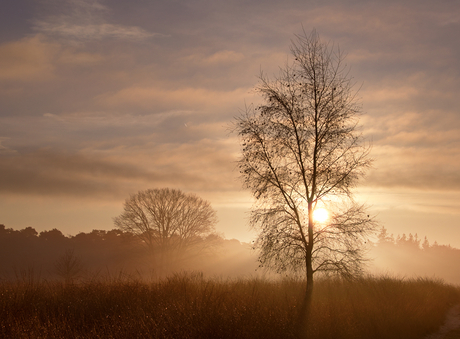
(167, 220)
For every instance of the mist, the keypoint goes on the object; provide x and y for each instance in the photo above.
(408, 256)
(103, 254)
(99, 254)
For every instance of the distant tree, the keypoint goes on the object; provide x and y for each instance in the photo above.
(29, 232)
(115, 233)
(54, 235)
(301, 150)
(384, 237)
(68, 266)
(167, 220)
(408, 241)
(426, 244)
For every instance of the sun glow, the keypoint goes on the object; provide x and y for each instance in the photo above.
(320, 215)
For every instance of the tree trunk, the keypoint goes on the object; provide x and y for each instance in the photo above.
(303, 320)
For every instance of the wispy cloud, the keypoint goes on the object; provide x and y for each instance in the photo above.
(4, 149)
(157, 99)
(117, 172)
(29, 60)
(91, 31)
(86, 20)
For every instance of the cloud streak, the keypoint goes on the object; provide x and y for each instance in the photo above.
(27, 60)
(92, 31)
(157, 99)
(116, 173)
(85, 20)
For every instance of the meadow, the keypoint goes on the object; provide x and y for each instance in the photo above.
(188, 305)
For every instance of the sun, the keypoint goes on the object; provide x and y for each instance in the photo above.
(320, 215)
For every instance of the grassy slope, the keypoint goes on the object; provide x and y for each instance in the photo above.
(187, 306)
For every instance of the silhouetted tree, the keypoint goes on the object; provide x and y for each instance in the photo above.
(384, 237)
(29, 232)
(409, 241)
(167, 220)
(68, 266)
(426, 244)
(301, 150)
(53, 235)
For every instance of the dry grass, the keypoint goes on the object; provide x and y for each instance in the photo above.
(189, 306)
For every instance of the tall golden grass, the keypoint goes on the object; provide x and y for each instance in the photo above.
(190, 306)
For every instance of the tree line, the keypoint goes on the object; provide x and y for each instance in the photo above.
(408, 256)
(100, 253)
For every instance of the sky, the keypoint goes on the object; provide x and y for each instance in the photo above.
(101, 99)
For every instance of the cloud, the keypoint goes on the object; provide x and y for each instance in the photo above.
(92, 31)
(157, 99)
(392, 199)
(115, 173)
(48, 173)
(86, 20)
(220, 58)
(29, 59)
(392, 94)
(183, 81)
(3, 148)
(70, 57)
(104, 131)
(434, 168)
(223, 57)
(35, 59)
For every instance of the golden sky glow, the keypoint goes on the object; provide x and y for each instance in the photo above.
(99, 100)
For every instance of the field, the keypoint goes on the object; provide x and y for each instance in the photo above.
(187, 305)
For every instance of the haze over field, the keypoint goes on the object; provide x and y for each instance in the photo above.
(101, 99)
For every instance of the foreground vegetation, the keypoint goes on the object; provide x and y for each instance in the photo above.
(189, 306)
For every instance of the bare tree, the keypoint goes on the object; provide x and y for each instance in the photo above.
(68, 266)
(167, 220)
(300, 151)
